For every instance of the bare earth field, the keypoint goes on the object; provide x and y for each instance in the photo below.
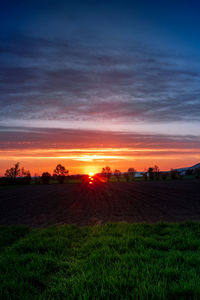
(101, 202)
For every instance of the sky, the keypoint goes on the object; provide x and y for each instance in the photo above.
(95, 83)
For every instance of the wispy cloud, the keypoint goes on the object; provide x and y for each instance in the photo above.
(68, 140)
(56, 79)
(40, 149)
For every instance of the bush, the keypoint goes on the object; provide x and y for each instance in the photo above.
(174, 174)
(46, 177)
(164, 175)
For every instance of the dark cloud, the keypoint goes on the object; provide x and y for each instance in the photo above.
(57, 79)
(45, 138)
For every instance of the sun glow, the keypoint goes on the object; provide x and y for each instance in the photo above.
(91, 161)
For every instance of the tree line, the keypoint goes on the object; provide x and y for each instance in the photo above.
(17, 175)
(152, 173)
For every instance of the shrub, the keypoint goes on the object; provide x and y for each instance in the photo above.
(164, 175)
(46, 177)
(174, 174)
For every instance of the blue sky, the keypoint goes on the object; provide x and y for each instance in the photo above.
(123, 66)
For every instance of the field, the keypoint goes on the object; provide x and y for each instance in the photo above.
(112, 261)
(148, 260)
(43, 205)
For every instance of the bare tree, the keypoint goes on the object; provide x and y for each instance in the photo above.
(156, 171)
(14, 172)
(60, 173)
(26, 175)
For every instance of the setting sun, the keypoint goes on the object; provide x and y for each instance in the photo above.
(91, 173)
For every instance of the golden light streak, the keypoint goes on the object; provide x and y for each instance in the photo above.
(86, 160)
(96, 150)
(94, 154)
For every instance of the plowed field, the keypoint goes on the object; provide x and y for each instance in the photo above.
(98, 203)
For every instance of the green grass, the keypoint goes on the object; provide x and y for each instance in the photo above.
(112, 261)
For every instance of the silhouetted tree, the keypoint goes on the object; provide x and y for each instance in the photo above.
(107, 172)
(46, 177)
(151, 173)
(156, 172)
(60, 173)
(13, 173)
(16, 175)
(117, 174)
(26, 176)
(132, 172)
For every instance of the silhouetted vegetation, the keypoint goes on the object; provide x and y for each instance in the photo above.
(106, 172)
(164, 175)
(127, 176)
(46, 177)
(150, 172)
(174, 174)
(193, 172)
(145, 176)
(132, 172)
(154, 173)
(117, 174)
(60, 173)
(15, 175)
(196, 172)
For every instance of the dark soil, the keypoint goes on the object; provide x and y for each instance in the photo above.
(98, 203)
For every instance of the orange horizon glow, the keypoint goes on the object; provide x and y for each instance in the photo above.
(86, 160)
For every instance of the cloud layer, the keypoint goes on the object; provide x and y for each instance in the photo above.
(82, 150)
(45, 138)
(60, 79)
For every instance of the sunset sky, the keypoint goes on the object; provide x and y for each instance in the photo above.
(95, 83)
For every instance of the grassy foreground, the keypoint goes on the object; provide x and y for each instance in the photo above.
(113, 261)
